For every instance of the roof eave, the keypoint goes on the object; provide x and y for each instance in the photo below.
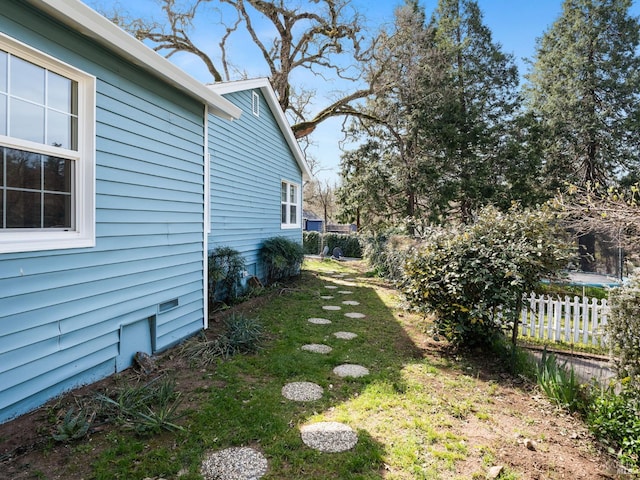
(80, 17)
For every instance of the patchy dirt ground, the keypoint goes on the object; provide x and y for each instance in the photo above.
(526, 433)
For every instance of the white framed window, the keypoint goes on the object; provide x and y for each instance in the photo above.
(47, 151)
(290, 203)
(255, 103)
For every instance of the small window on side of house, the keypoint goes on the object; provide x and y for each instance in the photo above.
(290, 201)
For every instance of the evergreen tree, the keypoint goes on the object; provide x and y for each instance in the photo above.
(470, 121)
(584, 86)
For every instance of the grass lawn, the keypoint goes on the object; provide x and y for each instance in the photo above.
(421, 413)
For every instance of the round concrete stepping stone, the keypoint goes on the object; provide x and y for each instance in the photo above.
(354, 315)
(350, 370)
(238, 463)
(331, 307)
(329, 437)
(345, 292)
(302, 391)
(330, 287)
(351, 302)
(316, 348)
(345, 335)
(350, 279)
(326, 297)
(319, 321)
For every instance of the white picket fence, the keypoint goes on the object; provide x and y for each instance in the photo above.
(577, 320)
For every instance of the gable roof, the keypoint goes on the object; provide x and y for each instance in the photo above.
(81, 18)
(265, 87)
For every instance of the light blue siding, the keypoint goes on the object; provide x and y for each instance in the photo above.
(62, 311)
(249, 160)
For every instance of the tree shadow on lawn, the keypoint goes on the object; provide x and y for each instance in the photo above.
(410, 412)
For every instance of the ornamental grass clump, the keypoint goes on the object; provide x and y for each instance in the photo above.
(282, 258)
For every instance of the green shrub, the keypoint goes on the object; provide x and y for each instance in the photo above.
(311, 243)
(559, 383)
(282, 258)
(349, 244)
(623, 329)
(225, 268)
(314, 242)
(615, 419)
(387, 254)
(473, 277)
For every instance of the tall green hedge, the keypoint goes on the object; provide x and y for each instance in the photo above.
(314, 242)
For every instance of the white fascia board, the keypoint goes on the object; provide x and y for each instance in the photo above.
(270, 95)
(79, 17)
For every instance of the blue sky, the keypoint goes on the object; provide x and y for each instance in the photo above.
(515, 24)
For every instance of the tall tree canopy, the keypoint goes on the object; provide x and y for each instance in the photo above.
(326, 38)
(584, 87)
(444, 125)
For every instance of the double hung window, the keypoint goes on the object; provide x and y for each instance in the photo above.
(47, 158)
(290, 205)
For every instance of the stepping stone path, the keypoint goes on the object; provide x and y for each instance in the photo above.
(243, 463)
(239, 463)
(302, 391)
(345, 335)
(319, 321)
(331, 307)
(317, 348)
(330, 437)
(350, 370)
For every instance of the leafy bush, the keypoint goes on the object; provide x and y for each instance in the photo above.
(311, 243)
(388, 254)
(623, 329)
(225, 267)
(615, 419)
(282, 258)
(314, 242)
(559, 383)
(349, 244)
(473, 277)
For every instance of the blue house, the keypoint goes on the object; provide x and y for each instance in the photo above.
(257, 173)
(103, 228)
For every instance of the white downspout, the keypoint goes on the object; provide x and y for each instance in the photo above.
(207, 219)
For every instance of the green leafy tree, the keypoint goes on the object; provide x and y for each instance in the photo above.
(473, 277)
(446, 137)
(383, 179)
(584, 87)
(469, 114)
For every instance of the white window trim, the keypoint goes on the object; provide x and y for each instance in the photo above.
(255, 103)
(288, 226)
(83, 235)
